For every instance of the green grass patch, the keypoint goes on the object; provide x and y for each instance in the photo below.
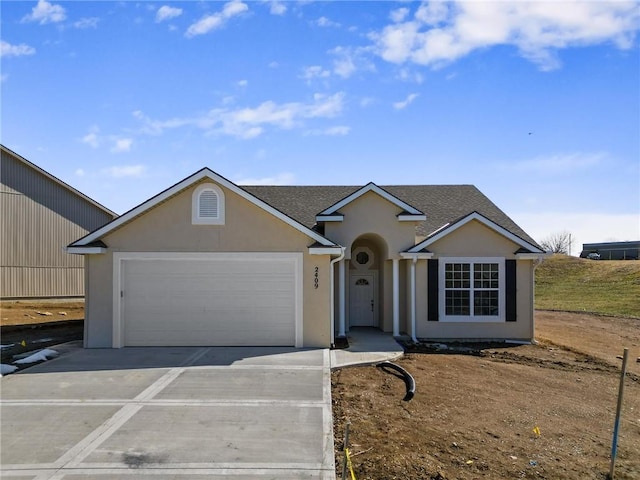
(610, 287)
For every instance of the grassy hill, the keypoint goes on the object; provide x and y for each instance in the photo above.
(609, 287)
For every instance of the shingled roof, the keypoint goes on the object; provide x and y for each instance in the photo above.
(442, 204)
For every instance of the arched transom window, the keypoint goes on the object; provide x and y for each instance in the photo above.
(207, 205)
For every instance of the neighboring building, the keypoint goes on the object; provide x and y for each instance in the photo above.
(207, 262)
(613, 250)
(40, 215)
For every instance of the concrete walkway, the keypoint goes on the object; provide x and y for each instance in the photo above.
(366, 346)
(170, 413)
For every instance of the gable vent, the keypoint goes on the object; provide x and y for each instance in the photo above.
(208, 204)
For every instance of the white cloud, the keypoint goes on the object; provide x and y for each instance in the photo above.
(406, 102)
(285, 178)
(249, 122)
(440, 33)
(558, 163)
(80, 172)
(121, 171)
(583, 227)
(167, 13)
(216, 20)
(242, 83)
(348, 60)
(92, 139)
(313, 72)
(9, 50)
(45, 12)
(325, 22)
(339, 130)
(87, 22)
(399, 14)
(277, 8)
(4, 77)
(121, 145)
(273, 64)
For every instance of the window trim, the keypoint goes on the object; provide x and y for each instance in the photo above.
(501, 317)
(196, 219)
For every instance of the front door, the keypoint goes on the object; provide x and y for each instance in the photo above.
(362, 302)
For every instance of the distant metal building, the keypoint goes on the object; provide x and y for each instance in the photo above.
(613, 250)
(39, 216)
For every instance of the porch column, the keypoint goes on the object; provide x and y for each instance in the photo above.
(396, 297)
(341, 298)
(414, 260)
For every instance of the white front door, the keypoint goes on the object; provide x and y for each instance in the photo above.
(362, 301)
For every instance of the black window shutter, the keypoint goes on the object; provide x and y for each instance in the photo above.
(432, 290)
(510, 290)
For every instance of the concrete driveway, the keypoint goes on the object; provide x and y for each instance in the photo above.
(170, 413)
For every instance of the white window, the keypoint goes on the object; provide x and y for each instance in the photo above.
(207, 205)
(472, 289)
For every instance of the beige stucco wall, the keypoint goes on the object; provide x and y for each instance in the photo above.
(375, 218)
(168, 228)
(476, 240)
(372, 214)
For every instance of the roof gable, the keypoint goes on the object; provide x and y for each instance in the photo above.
(371, 187)
(451, 227)
(204, 173)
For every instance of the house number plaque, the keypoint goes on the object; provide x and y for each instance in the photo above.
(315, 277)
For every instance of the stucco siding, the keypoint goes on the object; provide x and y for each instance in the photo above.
(475, 240)
(248, 228)
(99, 301)
(38, 218)
(372, 214)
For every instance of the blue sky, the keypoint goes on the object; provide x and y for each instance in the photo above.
(537, 104)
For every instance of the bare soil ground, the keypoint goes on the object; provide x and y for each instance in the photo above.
(474, 414)
(27, 325)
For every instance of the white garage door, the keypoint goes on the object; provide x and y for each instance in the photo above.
(216, 300)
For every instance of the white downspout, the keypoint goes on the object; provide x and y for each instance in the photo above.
(332, 295)
(341, 299)
(414, 260)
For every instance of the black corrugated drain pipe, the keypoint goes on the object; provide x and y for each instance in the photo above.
(409, 382)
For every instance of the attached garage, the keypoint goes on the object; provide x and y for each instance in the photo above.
(212, 299)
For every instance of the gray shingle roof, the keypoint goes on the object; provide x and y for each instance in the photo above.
(441, 204)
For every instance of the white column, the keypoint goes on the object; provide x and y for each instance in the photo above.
(413, 299)
(396, 297)
(341, 298)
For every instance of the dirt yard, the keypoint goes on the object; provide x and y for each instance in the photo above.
(474, 414)
(27, 325)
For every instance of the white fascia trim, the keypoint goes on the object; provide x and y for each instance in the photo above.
(85, 250)
(325, 250)
(417, 255)
(329, 218)
(486, 222)
(187, 182)
(371, 187)
(412, 218)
